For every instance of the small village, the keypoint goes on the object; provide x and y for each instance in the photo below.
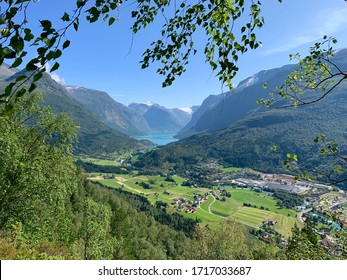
(325, 207)
(183, 204)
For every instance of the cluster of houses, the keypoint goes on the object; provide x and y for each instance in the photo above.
(190, 210)
(181, 202)
(269, 232)
(267, 223)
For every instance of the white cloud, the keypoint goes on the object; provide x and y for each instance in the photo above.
(187, 110)
(55, 76)
(327, 22)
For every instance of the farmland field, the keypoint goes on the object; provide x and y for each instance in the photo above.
(100, 161)
(230, 169)
(157, 188)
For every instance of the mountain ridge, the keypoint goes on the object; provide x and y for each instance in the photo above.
(94, 137)
(162, 119)
(112, 113)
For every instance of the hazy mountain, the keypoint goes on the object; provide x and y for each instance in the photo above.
(162, 119)
(6, 71)
(220, 111)
(113, 114)
(141, 108)
(94, 136)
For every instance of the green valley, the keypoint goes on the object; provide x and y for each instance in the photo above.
(212, 207)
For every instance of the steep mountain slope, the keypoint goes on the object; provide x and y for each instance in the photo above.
(141, 108)
(162, 119)
(207, 104)
(113, 114)
(219, 112)
(231, 107)
(94, 136)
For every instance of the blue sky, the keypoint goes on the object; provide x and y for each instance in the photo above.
(107, 58)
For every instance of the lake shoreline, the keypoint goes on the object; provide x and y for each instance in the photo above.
(158, 138)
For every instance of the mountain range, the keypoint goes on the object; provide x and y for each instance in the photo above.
(162, 119)
(236, 131)
(104, 125)
(95, 137)
(220, 111)
(114, 114)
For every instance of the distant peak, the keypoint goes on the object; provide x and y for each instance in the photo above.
(148, 103)
(187, 110)
(72, 87)
(339, 50)
(248, 82)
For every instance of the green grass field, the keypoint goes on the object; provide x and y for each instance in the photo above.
(161, 190)
(206, 203)
(251, 216)
(230, 169)
(100, 161)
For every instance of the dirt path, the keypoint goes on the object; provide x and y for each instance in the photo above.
(122, 181)
(209, 209)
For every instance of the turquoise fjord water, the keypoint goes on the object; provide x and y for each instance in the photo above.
(158, 138)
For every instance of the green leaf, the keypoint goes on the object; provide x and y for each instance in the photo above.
(20, 93)
(8, 109)
(8, 53)
(75, 25)
(32, 87)
(31, 66)
(46, 25)
(21, 78)
(17, 43)
(111, 21)
(37, 76)
(80, 3)
(28, 35)
(17, 62)
(57, 54)
(66, 44)
(48, 42)
(8, 89)
(55, 67)
(66, 17)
